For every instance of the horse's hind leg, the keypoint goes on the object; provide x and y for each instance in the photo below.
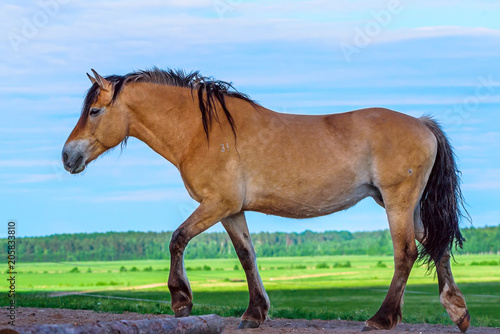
(236, 227)
(450, 295)
(400, 203)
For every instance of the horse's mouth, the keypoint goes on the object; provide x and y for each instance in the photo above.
(79, 166)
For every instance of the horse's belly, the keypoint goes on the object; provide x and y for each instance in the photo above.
(308, 204)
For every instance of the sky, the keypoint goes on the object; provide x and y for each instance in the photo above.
(302, 57)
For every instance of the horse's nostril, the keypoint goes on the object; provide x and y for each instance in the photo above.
(65, 157)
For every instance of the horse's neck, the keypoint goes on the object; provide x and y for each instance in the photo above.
(165, 118)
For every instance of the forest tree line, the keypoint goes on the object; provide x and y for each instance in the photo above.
(112, 246)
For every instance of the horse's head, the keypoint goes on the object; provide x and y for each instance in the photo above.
(103, 125)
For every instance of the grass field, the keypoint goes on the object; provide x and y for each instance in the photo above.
(345, 287)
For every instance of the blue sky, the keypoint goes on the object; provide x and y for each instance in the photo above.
(417, 57)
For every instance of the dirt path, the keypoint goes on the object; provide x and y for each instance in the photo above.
(35, 316)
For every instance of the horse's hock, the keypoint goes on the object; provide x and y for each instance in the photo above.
(207, 324)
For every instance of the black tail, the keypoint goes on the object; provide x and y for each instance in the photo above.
(442, 202)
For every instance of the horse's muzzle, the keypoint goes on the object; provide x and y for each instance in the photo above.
(73, 157)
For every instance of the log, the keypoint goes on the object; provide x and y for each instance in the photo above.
(206, 324)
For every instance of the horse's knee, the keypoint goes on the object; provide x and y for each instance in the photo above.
(178, 242)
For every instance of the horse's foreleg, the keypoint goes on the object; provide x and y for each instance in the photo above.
(206, 215)
(236, 227)
(450, 295)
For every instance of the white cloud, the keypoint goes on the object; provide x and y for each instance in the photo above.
(295, 100)
(483, 185)
(33, 178)
(438, 31)
(144, 4)
(151, 195)
(43, 130)
(29, 163)
(482, 179)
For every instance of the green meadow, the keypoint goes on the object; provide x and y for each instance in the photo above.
(328, 287)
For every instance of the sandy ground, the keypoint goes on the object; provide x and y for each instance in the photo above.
(37, 316)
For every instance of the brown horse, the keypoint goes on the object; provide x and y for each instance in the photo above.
(235, 156)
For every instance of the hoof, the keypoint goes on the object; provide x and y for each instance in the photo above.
(367, 329)
(248, 324)
(464, 322)
(183, 311)
(370, 325)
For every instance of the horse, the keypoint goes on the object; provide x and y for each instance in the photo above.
(234, 155)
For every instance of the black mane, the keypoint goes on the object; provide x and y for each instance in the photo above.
(209, 90)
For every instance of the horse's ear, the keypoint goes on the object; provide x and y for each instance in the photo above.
(103, 83)
(91, 79)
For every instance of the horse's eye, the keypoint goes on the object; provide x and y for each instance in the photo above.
(95, 111)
